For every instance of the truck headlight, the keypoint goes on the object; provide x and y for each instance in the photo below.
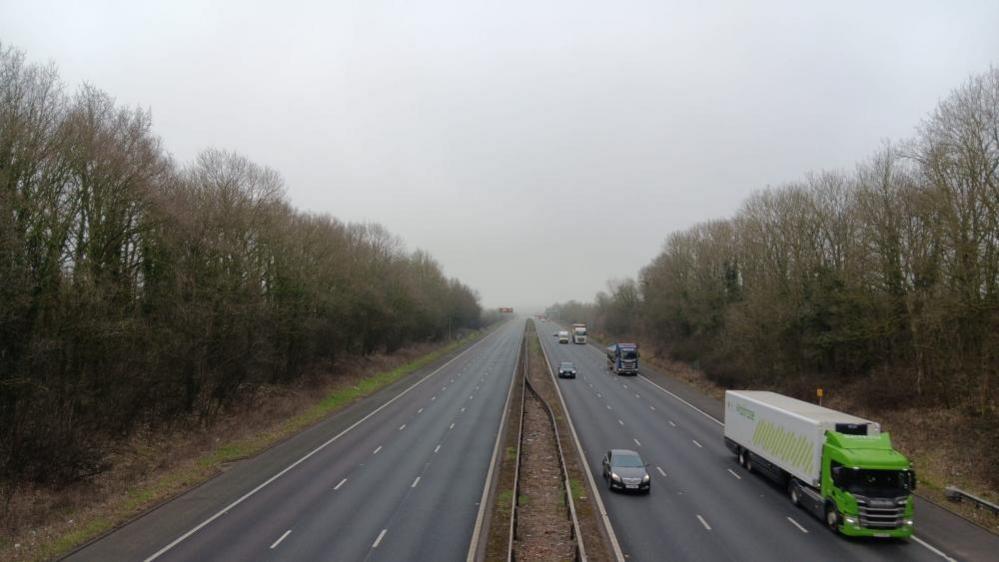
(850, 520)
(908, 522)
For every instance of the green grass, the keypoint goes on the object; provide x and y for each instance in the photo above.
(503, 500)
(511, 453)
(206, 466)
(578, 492)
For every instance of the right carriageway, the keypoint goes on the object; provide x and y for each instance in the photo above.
(703, 505)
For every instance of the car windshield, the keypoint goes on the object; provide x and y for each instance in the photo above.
(568, 365)
(628, 461)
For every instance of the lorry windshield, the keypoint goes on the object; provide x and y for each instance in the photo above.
(879, 483)
(629, 355)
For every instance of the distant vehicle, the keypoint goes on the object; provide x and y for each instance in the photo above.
(625, 470)
(622, 358)
(579, 333)
(567, 370)
(563, 336)
(839, 467)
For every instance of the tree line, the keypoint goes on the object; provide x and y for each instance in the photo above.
(135, 291)
(889, 272)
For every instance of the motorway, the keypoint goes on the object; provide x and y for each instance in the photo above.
(396, 477)
(703, 505)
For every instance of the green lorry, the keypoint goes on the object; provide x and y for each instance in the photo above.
(837, 466)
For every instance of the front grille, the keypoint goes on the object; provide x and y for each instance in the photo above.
(881, 513)
(632, 480)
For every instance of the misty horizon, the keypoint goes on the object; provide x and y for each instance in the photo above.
(536, 152)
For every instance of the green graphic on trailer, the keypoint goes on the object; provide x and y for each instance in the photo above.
(791, 447)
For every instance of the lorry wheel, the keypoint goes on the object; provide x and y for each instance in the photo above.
(792, 492)
(742, 457)
(832, 517)
(749, 462)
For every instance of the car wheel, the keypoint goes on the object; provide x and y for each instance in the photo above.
(792, 492)
(832, 517)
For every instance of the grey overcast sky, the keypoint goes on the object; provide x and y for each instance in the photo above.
(536, 149)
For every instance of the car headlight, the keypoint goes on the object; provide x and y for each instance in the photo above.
(614, 476)
(646, 478)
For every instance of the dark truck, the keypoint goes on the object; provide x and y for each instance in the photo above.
(622, 358)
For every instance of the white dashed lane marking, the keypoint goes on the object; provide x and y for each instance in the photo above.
(800, 528)
(277, 542)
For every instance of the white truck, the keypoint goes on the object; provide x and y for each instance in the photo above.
(563, 336)
(840, 467)
(579, 333)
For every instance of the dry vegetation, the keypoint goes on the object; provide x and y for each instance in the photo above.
(544, 530)
(141, 300)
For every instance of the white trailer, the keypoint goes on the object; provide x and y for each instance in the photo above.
(787, 432)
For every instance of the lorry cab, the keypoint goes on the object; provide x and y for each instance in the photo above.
(867, 486)
(622, 358)
(840, 467)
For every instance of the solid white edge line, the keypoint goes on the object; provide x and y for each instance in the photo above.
(381, 536)
(277, 542)
(796, 524)
(933, 549)
(342, 482)
(732, 472)
(721, 423)
(615, 545)
(473, 545)
(261, 486)
(702, 412)
(703, 522)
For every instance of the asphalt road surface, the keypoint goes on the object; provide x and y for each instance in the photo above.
(396, 477)
(703, 505)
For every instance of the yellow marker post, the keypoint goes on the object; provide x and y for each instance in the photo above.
(819, 393)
